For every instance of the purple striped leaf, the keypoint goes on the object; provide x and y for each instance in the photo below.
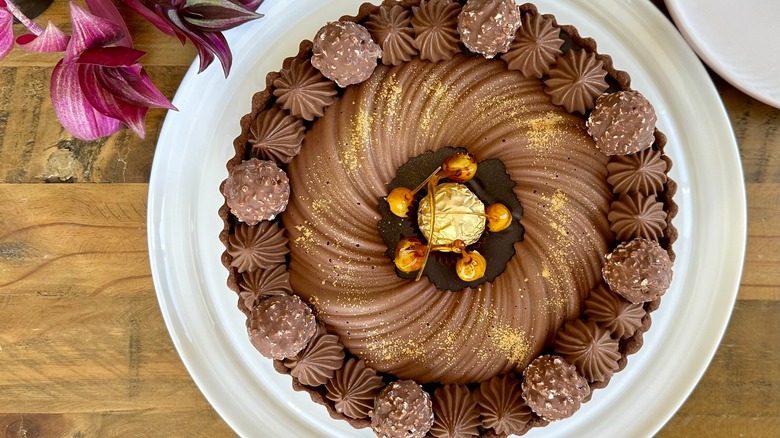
(215, 15)
(251, 5)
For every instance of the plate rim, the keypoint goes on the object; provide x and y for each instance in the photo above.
(715, 62)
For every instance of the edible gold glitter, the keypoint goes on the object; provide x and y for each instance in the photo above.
(438, 99)
(390, 94)
(512, 342)
(351, 153)
(561, 244)
(541, 130)
(320, 205)
(306, 239)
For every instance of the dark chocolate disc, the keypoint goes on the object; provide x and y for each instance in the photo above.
(491, 184)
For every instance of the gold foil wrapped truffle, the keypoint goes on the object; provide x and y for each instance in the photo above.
(345, 53)
(460, 215)
(281, 326)
(256, 190)
(402, 410)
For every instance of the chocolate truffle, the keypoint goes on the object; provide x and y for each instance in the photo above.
(553, 388)
(345, 53)
(281, 326)
(488, 26)
(639, 270)
(402, 410)
(256, 190)
(622, 123)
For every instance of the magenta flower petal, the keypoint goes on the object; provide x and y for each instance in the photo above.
(108, 104)
(90, 31)
(6, 33)
(133, 85)
(52, 39)
(3, 4)
(73, 109)
(110, 56)
(208, 44)
(107, 10)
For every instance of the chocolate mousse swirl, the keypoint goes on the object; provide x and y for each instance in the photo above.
(411, 329)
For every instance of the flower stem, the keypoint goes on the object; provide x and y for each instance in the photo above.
(19, 15)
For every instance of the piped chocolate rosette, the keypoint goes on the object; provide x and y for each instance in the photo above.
(318, 155)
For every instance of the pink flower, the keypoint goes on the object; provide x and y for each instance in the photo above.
(99, 85)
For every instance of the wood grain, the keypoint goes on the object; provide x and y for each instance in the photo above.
(83, 348)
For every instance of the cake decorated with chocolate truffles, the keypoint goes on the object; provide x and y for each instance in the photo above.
(448, 218)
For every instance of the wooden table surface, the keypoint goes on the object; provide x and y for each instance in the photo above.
(84, 351)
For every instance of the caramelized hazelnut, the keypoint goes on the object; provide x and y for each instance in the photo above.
(399, 200)
(471, 266)
(498, 217)
(460, 167)
(409, 254)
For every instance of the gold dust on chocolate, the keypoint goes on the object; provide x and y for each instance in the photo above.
(511, 343)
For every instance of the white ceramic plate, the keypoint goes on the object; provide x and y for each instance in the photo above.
(208, 330)
(736, 39)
